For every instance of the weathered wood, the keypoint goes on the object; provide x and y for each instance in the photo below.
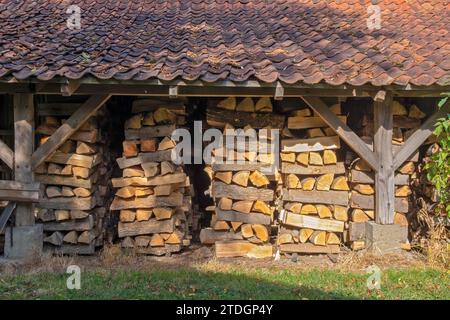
(174, 200)
(153, 181)
(74, 159)
(356, 231)
(85, 136)
(87, 203)
(368, 178)
(239, 248)
(229, 215)
(57, 109)
(157, 156)
(210, 236)
(219, 117)
(321, 197)
(6, 155)
(70, 249)
(145, 227)
(338, 168)
(299, 122)
(302, 221)
(419, 136)
(309, 248)
(23, 149)
(68, 225)
(360, 201)
(150, 132)
(312, 144)
(65, 181)
(240, 166)
(344, 132)
(68, 128)
(384, 176)
(220, 190)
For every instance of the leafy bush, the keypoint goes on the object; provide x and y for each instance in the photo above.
(438, 169)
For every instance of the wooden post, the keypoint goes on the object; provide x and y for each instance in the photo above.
(23, 149)
(384, 176)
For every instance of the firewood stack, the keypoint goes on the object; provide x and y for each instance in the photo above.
(315, 189)
(362, 199)
(153, 195)
(243, 194)
(76, 179)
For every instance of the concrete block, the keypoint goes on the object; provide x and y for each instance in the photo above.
(24, 242)
(385, 238)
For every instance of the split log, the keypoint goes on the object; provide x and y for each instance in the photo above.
(329, 157)
(360, 201)
(304, 234)
(312, 144)
(61, 215)
(145, 227)
(221, 225)
(144, 214)
(247, 231)
(241, 178)
(332, 238)
(293, 182)
(309, 248)
(261, 232)
(321, 197)
(210, 236)
(127, 215)
(340, 213)
(71, 237)
(315, 159)
(86, 237)
(340, 183)
(359, 215)
(302, 158)
(308, 209)
(287, 157)
(225, 203)
(244, 206)
(308, 184)
(295, 207)
(301, 221)
(236, 248)
(219, 190)
(324, 211)
(253, 218)
(56, 238)
(324, 182)
(338, 168)
(318, 238)
(366, 189)
(258, 179)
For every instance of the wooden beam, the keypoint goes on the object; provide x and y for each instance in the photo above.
(279, 91)
(344, 132)
(23, 148)
(419, 136)
(6, 154)
(64, 132)
(6, 214)
(69, 88)
(173, 92)
(384, 177)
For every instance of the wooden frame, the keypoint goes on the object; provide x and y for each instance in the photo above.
(68, 128)
(6, 154)
(381, 159)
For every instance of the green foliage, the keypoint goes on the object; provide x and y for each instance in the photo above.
(438, 169)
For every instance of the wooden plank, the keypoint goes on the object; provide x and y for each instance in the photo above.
(384, 176)
(158, 156)
(20, 186)
(220, 190)
(65, 181)
(312, 144)
(237, 166)
(303, 221)
(299, 122)
(210, 236)
(69, 87)
(174, 178)
(23, 148)
(253, 217)
(90, 136)
(70, 249)
(57, 109)
(240, 248)
(75, 159)
(309, 248)
(321, 197)
(419, 136)
(6, 154)
(69, 225)
(159, 251)
(368, 178)
(126, 229)
(356, 231)
(414, 157)
(337, 168)
(150, 132)
(367, 202)
(19, 196)
(73, 203)
(173, 200)
(64, 132)
(219, 117)
(147, 105)
(6, 214)
(344, 132)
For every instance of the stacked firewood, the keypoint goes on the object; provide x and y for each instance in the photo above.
(153, 194)
(362, 199)
(242, 190)
(76, 180)
(315, 189)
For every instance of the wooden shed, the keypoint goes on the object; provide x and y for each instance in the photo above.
(315, 53)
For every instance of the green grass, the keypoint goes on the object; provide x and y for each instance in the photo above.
(186, 283)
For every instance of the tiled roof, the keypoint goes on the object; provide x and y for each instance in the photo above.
(307, 41)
